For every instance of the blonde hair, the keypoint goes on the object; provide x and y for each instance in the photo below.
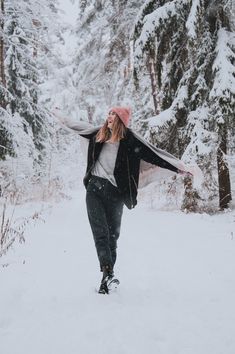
(118, 131)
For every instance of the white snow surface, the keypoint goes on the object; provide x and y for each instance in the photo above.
(176, 294)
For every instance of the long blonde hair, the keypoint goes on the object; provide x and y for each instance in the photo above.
(118, 131)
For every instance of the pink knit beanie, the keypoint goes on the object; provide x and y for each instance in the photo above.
(124, 113)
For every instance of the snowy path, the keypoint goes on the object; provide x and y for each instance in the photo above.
(176, 294)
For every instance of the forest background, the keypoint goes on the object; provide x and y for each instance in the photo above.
(172, 62)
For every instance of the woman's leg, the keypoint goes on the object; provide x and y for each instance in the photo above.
(98, 221)
(114, 208)
(114, 217)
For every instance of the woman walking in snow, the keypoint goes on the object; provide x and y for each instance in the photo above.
(114, 158)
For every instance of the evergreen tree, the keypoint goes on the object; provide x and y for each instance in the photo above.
(5, 137)
(192, 44)
(25, 39)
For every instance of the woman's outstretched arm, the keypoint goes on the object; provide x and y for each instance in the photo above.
(158, 157)
(148, 155)
(82, 128)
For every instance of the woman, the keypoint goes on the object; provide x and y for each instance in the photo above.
(114, 157)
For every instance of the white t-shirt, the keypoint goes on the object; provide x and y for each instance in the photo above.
(104, 166)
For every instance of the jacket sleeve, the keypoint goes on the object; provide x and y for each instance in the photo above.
(146, 154)
(84, 129)
(79, 126)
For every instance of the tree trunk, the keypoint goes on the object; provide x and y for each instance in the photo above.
(225, 195)
(37, 25)
(90, 113)
(153, 77)
(2, 56)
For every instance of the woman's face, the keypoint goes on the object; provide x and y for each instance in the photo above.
(111, 118)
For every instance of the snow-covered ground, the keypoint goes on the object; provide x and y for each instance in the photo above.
(176, 294)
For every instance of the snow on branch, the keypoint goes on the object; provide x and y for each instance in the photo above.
(151, 22)
(162, 119)
(168, 115)
(223, 66)
(192, 18)
(88, 13)
(142, 10)
(202, 140)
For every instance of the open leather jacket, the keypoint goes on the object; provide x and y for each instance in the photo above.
(127, 167)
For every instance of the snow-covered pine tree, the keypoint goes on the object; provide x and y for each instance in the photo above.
(28, 31)
(193, 45)
(26, 38)
(22, 73)
(5, 138)
(222, 94)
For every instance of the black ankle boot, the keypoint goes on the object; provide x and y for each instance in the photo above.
(107, 278)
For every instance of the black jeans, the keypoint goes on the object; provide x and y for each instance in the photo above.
(104, 208)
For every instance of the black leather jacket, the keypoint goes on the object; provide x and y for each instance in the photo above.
(127, 166)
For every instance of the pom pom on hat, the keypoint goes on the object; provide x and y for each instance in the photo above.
(124, 113)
